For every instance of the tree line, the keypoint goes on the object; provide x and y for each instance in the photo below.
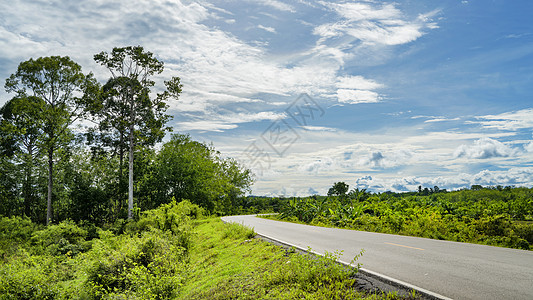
(73, 148)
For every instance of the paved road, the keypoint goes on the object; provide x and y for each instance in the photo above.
(454, 270)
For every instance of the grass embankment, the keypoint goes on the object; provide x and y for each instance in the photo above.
(228, 264)
(169, 253)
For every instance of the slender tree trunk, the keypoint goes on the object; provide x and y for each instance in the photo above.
(120, 203)
(50, 185)
(130, 186)
(28, 186)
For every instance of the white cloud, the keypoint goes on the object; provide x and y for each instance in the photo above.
(357, 96)
(318, 128)
(357, 82)
(484, 148)
(375, 25)
(441, 119)
(277, 5)
(521, 119)
(529, 147)
(389, 159)
(266, 28)
(205, 126)
(220, 123)
(318, 166)
(519, 176)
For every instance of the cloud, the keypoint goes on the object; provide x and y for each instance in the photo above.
(357, 96)
(379, 159)
(441, 119)
(512, 121)
(518, 176)
(277, 5)
(319, 128)
(484, 148)
(205, 126)
(374, 24)
(220, 123)
(529, 147)
(266, 28)
(318, 166)
(357, 89)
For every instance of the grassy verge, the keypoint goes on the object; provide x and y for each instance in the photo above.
(226, 263)
(172, 252)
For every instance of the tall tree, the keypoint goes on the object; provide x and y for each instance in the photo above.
(20, 132)
(127, 106)
(63, 92)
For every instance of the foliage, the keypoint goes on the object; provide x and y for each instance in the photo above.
(151, 259)
(482, 215)
(148, 260)
(51, 94)
(187, 169)
(127, 111)
(229, 265)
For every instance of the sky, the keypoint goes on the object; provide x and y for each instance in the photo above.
(381, 95)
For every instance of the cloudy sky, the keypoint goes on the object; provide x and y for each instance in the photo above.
(381, 95)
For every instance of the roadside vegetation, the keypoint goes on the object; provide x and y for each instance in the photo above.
(498, 216)
(173, 252)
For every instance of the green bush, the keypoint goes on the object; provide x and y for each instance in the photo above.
(63, 238)
(151, 266)
(14, 233)
(28, 277)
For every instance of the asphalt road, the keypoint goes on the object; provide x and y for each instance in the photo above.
(451, 269)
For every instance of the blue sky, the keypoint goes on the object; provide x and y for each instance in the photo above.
(396, 94)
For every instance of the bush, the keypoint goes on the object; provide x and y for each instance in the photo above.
(27, 277)
(150, 266)
(63, 238)
(14, 232)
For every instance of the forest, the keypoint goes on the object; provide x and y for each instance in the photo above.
(74, 149)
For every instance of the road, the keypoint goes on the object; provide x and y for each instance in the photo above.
(451, 269)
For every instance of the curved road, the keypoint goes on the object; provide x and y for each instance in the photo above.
(454, 270)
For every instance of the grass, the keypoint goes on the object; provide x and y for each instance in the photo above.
(227, 263)
(170, 253)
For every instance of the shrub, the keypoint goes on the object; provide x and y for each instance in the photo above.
(63, 238)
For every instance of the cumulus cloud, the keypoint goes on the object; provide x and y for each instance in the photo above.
(318, 166)
(519, 176)
(379, 159)
(484, 148)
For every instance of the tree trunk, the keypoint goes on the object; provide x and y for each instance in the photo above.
(130, 186)
(50, 185)
(27, 186)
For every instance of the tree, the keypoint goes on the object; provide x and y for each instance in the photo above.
(187, 169)
(20, 131)
(63, 92)
(127, 109)
(338, 189)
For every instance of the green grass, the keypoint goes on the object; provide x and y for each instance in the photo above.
(227, 263)
(172, 252)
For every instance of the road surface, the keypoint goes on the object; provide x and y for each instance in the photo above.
(451, 269)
